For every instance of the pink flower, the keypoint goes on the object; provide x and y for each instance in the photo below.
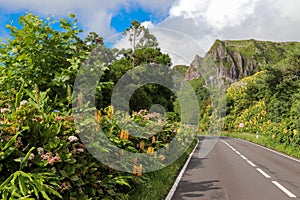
(24, 102)
(81, 145)
(58, 118)
(51, 161)
(56, 157)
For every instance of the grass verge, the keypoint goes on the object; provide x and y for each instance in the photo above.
(291, 150)
(158, 183)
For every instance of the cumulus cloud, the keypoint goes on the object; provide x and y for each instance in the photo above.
(208, 20)
(93, 15)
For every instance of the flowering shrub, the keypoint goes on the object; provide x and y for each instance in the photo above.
(42, 156)
(267, 105)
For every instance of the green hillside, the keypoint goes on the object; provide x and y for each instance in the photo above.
(268, 100)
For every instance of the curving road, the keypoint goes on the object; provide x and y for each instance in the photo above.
(238, 170)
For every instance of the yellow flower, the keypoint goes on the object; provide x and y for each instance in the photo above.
(110, 111)
(295, 132)
(273, 136)
(179, 131)
(150, 150)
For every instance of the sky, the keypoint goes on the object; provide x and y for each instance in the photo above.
(184, 28)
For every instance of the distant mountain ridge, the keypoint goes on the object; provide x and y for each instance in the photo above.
(236, 59)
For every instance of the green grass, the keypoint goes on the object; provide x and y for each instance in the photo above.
(291, 150)
(158, 183)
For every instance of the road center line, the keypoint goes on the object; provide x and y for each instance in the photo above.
(284, 189)
(251, 163)
(263, 173)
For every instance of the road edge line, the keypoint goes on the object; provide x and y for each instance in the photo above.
(271, 150)
(175, 185)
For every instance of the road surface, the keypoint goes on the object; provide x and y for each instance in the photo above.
(238, 170)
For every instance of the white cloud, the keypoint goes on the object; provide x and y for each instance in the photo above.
(207, 20)
(202, 20)
(93, 15)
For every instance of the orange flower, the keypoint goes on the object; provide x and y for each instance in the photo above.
(139, 170)
(153, 139)
(142, 145)
(98, 116)
(124, 134)
(134, 171)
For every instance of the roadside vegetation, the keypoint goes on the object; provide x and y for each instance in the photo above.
(42, 155)
(291, 150)
(266, 103)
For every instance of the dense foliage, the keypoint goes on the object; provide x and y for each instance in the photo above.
(267, 102)
(41, 153)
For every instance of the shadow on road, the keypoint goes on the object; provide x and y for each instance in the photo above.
(195, 189)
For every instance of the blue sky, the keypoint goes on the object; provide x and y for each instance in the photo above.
(120, 21)
(195, 23)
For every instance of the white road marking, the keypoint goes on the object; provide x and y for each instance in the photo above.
(284, 189)
(286, 156)
(175, 185)
(251, 163)
(263, 173)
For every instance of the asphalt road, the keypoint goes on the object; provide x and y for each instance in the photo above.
(239, 170)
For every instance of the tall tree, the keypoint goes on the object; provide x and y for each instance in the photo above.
(42, 55)
(140, 38)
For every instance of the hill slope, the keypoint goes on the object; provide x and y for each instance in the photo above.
(241, 58)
